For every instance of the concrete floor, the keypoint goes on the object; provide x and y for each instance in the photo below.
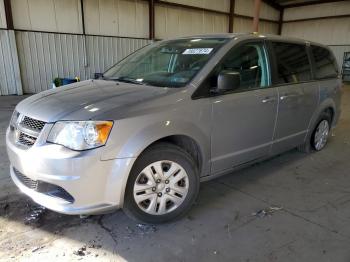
(314, 224)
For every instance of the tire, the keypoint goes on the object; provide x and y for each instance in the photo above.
(311, 141)
(166, 198)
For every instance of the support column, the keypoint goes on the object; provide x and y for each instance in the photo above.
(8, 14)
(280, 22)
(151, 19)
(231, 16)
(86, 62)
(257, 4)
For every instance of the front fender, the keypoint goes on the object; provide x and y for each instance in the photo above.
(136, 141)
(131, 136)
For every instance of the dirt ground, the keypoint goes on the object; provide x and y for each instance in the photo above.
(295, 207)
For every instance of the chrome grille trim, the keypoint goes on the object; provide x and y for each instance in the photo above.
(26, 129)
(26, 140)
(32, 123)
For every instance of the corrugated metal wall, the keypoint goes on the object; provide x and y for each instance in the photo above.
(172, 22)
(114, 29)
(245, 25)
(321, 10)
(335, 31)
(45, 56)
(10, 80)
(117, 18)
(218, 5)
(331, 31)
(339, 53)
(102, 17)
(246, 7)
(2, 15)
(47, 15)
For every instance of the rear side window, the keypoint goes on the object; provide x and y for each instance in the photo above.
(293, 64)
(325, 63)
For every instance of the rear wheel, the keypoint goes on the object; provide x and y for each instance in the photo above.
(162, 185)
(320, 134)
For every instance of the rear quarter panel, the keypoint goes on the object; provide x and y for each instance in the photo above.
(330, 96)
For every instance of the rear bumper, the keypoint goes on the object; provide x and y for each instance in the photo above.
(95, 186)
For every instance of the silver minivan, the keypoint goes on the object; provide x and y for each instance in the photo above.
(177, 112)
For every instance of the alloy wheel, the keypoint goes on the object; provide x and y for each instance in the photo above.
(321, 135)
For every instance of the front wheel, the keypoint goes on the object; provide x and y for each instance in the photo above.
(162, 185)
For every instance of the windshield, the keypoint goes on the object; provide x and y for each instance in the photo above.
(167, 64)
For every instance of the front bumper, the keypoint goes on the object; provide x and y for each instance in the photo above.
(95, 186)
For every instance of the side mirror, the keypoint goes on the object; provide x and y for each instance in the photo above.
(98, 75)
(228, 81)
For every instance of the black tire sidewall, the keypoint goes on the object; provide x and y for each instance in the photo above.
(323, 116)
(157, 153)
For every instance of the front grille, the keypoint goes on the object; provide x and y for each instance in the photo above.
(32, 123)
(26, 140)
(26, 130)
(30, 183)
(44, 187)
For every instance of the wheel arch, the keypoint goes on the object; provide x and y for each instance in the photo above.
(181, 133)
(331, 111)
(326, 106)
(186, 142)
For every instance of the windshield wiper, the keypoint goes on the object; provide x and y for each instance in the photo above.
(125, 80)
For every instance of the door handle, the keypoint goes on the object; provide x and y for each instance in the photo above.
(268, 100)
(284, 97)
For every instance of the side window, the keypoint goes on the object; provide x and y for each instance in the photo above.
(250, 61)
(325, 63)
(293, 64)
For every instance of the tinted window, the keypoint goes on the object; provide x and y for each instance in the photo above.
(325, 63)
(250, 61)
(292, 63)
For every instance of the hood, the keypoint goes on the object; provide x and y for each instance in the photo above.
(87, 100)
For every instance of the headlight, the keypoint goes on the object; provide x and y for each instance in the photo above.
(80, 135)
(14, 118)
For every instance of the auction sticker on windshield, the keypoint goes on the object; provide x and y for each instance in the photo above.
(197, 51)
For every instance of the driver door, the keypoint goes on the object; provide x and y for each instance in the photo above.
(243, 119)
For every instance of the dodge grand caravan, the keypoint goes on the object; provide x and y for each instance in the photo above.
(172, 114)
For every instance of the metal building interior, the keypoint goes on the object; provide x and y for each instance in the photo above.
(294, 207)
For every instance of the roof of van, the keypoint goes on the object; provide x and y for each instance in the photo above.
(253, 36)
